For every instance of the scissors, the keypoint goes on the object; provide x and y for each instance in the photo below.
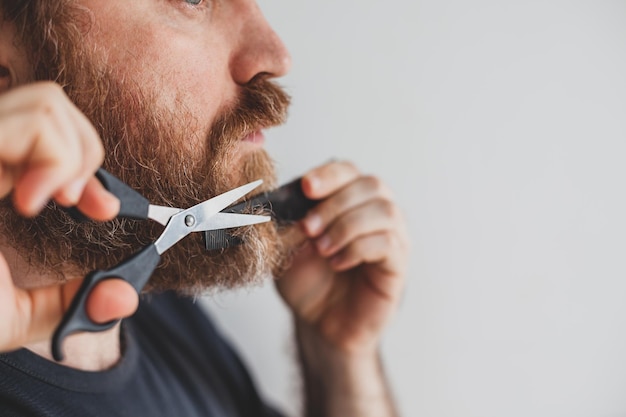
(138, 268)
(285, 205)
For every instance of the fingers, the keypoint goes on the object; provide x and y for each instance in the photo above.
(112, 299)
(369, 248)
(97, 203)
(92, 155)
(357, 222)
(347, 195)
(327, 179)
(33, 315)
(6, 181)
(373, 216)
(48, 148)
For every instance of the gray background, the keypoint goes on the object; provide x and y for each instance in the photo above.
(500, 125)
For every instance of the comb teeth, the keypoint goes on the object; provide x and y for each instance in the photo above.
(220, 239)
(286, 205)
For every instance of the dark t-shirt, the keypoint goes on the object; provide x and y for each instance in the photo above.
(174, 364)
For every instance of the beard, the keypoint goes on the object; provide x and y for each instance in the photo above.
(156, 152)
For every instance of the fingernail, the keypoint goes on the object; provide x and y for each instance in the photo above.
(110, 196)
(314, 183)
(74, 190)
(313, 224)
(37, 204)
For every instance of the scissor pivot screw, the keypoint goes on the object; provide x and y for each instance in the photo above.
(190, 220)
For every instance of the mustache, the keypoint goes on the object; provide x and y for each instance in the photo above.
(260, 104)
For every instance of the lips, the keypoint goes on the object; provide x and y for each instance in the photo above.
(256, 137)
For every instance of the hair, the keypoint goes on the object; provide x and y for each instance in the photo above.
(46, 30)
(13, 8)
(143, 149)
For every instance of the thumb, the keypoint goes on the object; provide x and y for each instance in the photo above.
(32, 315)
(112, 299)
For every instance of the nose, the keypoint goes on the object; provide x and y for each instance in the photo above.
(259, 51)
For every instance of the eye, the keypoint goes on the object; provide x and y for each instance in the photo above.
(194, 2)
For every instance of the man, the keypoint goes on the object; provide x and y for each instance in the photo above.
(173, 97)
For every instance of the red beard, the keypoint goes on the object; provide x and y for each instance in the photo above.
(146, 148)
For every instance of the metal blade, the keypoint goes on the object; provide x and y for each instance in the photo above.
(204, 212)
(231, 220)
(162, 214)
(199, 216)
(173, 233)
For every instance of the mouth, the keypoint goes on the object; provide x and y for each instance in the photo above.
(256, 138)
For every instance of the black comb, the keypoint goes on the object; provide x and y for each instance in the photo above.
(285, 205)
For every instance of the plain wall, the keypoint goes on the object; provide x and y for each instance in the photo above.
(501, 126)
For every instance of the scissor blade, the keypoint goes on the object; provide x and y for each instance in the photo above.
(161, 214)
(206, 210)
(230, 220)
(199, 216)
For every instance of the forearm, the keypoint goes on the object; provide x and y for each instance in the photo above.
(340, 384)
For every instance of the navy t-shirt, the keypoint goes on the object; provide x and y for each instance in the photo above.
(174, 364)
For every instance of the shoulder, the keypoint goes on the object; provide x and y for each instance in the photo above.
(178, 329)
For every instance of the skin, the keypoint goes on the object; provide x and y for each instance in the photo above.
(55, 150)
(343, 287)
(344, 284)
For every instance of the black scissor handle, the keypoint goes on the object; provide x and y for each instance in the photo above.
(135, 270)
(132, 204)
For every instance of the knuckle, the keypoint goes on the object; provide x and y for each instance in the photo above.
(388, 208)
(352, 251)
(50, 88)
(50, 93)
(50, 97)
(65, 159)
(400, 239)
(44, 111)
(330, 210)
(92, 147)
(374, 183)
(94, 153)
(378, 186)
(340, 230)
(388, 240)
(70, 165)
(48, 143)
(335, 204)
(348, 165)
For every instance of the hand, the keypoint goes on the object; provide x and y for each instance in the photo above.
(348, 278)
(50, 150)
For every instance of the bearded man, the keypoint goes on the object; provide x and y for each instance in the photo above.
(172, 96)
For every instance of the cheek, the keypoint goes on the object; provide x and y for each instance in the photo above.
(183, 76)
(188, 87)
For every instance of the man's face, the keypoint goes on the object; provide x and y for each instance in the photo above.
(179, 93)
(194, 58)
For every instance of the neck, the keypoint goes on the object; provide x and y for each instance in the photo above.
(84, 351)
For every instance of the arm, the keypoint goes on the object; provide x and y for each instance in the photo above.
(342, 287)
(337, 384)
(49, 150)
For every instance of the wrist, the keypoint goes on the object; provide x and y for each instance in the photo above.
(325, 356)
(342, 382)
